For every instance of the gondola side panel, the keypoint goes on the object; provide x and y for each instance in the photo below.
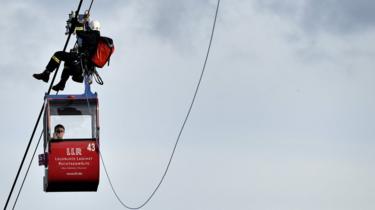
(73, 162)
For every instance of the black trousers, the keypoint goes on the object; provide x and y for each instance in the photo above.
(72, 65)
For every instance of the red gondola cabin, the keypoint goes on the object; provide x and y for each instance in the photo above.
(71, 163)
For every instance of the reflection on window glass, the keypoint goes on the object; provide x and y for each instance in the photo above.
(76, 126)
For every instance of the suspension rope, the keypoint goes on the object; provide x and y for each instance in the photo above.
(27, 171)
(38, 120)
(179, 134)
(92, 1)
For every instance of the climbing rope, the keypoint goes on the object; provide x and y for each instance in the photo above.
(179, 134)
(27, 171)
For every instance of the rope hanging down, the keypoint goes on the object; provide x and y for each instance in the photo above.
(179, 134)
(92, 1)
(38, 120)
(27, 171)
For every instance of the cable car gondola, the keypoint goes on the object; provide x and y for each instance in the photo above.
(71, 163)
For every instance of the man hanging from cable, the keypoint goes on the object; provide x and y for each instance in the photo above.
(88, 36)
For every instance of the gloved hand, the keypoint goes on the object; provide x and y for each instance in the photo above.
(73, 24)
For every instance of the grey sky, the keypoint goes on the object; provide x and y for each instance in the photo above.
(284, 118)
(332, 16)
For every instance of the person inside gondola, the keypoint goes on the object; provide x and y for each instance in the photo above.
(59, 132)
(87, 41)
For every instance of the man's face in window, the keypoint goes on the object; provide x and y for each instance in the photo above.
(59, 133)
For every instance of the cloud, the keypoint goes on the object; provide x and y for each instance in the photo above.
(174, 23)
(283, 118)
(332, 16)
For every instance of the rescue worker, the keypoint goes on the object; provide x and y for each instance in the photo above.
(87, 43)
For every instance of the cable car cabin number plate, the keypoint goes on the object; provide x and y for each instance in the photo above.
(73, 161)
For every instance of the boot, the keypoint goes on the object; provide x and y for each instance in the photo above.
(59, 86)
(42, 76)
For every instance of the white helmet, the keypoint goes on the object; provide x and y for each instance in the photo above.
(94, 25)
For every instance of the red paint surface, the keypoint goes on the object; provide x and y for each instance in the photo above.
(76, 161)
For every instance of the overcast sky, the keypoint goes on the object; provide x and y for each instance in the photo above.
(284, 119)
